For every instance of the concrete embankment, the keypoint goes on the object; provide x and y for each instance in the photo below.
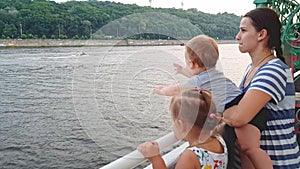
(68, 42)
(74, 43)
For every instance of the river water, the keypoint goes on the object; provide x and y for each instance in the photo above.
(62, 109)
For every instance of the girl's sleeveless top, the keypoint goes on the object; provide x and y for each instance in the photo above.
(211, 160)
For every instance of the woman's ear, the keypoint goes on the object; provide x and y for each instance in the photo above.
(262, 34)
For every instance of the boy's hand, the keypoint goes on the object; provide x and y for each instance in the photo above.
(178, 68)
(159, 90)
(182, 70)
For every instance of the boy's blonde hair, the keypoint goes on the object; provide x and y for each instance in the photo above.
(203, 50)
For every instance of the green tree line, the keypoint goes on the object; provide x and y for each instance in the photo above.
(31, 19)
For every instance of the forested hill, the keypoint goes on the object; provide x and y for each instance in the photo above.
(30, 19)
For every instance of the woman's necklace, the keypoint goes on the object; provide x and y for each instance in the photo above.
(255, 67)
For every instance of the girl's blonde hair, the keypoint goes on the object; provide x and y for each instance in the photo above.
(194, 106)
(203, 50)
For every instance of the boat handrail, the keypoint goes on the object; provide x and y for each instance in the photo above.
(135, 158)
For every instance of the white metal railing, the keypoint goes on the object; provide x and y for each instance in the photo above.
(135, 158)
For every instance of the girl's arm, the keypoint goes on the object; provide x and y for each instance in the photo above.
(181, 70)
(158, 162)
(151, 151)
(241, 114)
(167, 90)
(188, 159)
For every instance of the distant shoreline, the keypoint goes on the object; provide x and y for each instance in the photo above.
(81, 43)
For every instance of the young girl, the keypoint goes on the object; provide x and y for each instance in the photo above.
(190, 114)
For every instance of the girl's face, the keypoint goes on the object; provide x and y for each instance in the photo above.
(247, 37)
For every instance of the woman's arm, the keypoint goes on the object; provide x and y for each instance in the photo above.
(242, 113)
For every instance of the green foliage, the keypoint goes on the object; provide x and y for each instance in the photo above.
(150, 23)
(23, 36)
(9, 30)
(33, 19)
(63, 37)
(30, 36)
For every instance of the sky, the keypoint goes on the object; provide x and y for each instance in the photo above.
(238, 7)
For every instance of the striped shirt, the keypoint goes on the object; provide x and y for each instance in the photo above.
(279, 139)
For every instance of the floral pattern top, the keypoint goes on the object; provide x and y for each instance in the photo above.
(211, 160)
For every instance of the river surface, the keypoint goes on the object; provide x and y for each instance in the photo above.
(60, 108)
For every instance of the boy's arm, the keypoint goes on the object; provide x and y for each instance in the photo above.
(167, 90)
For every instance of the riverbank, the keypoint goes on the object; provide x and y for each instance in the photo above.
(91, 42)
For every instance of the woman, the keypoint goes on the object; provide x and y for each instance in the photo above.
(267, 83)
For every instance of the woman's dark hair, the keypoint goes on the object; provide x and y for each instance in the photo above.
(266, 18)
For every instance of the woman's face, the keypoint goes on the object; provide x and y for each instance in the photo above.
(247, 37)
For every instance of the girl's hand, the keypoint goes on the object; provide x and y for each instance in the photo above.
(150, 150)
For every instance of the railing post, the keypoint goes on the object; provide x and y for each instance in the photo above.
(261, 3)
(295, 54)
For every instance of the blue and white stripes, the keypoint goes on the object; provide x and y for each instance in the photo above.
(279, 139)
